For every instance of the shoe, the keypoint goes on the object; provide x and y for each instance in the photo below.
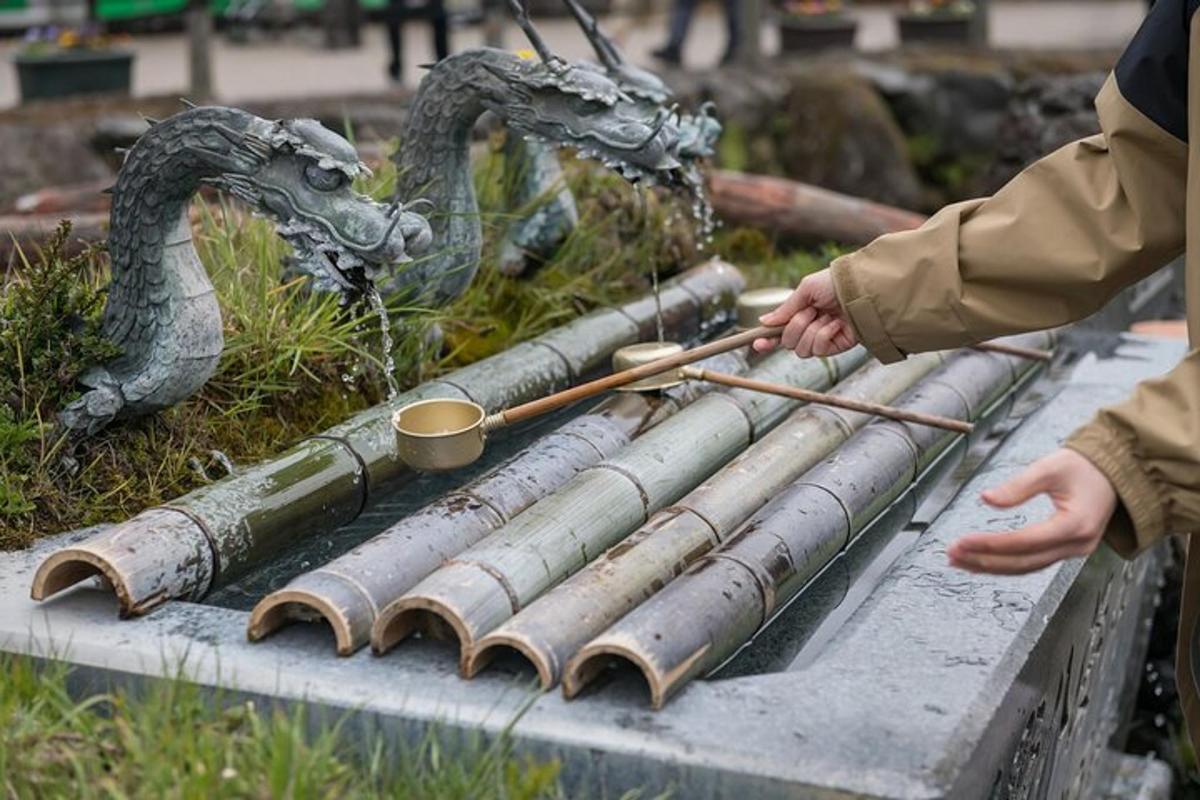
(668, 55)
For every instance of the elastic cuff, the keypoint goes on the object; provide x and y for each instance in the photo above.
(1140, 520)
(864, 316)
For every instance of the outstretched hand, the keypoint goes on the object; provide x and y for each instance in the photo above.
(1084, 501)
(815, 324)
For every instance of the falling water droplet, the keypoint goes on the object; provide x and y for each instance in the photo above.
(385, 331)
(639, 193)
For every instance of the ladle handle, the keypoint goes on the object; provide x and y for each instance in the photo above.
(809, 396)
(558, 400)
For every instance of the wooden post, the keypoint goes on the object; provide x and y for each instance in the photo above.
(749, 47)
(199, 36)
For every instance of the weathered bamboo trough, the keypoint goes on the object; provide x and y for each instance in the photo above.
(485, 585)
(702, 618)
(184, 549)
(554, 627)
(348, 592)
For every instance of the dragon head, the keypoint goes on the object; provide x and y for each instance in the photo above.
(300, 173)
(582, 108)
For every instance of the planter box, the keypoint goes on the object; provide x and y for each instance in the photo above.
(802, 35)
(71, 73)
(937, 28)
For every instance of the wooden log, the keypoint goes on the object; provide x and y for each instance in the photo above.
(347, 592)
(28, 233)
(685, 631)
(72, 199)
(801, 212)
(324, 482)
(482, 587)
(555, 626)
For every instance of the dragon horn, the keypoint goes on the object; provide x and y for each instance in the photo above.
(151, 121)
(608, 54)
(187, 103)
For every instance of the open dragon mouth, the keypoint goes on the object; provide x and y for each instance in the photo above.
(332, 266)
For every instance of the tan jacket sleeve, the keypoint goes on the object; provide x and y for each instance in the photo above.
(1149, 448)
(1050, 247)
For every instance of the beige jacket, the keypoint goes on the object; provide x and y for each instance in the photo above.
(1053, 246)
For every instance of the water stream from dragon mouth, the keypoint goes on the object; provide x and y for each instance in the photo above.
(643, 211)
(385, 337)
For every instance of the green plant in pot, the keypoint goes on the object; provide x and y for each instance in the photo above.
(806, 26)
(58, 62)
(947, 21)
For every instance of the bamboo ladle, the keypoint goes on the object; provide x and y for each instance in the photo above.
(446, 433)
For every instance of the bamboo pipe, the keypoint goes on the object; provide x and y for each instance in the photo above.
(186, 548)
(488, 583)
(823, 398)
(347, 592)
(684, 631)
(556, 625)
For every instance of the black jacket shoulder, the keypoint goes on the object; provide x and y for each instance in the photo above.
(1153, 71)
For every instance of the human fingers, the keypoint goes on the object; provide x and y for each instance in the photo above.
(796, 328)
(797, 300)
(824, 341)
(804, 345)
(1038, 478)
(1061, 529)
(1018, 565)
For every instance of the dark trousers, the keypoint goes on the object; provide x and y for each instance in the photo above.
(397, 13)
(682, 12)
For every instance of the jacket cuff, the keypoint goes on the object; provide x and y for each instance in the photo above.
(1140, 520)
(864, 316)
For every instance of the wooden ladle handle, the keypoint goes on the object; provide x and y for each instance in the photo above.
(809, 396)
(557, 400)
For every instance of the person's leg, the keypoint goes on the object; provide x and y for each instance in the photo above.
(392, 22)
(681, 19)
(733, 29)
(441, 28)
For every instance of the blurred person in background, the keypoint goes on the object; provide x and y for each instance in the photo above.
(397, 12)
(682, 12)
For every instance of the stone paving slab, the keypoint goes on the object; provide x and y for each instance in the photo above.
(942, 684)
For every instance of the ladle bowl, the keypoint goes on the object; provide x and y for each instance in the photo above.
(440, 434)
(753, 304)
(634, 355)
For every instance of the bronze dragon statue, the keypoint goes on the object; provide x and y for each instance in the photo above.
(543, 100)
(540, 181)
(161, 309)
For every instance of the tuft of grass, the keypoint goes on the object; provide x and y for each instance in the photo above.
(172, 739)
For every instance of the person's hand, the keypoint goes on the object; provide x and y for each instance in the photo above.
(814, 320)
(1084, 501)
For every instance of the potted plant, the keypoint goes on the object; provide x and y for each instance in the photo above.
(938, 21)
(806, 26)
(56, 62)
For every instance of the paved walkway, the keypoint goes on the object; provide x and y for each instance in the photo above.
(298, 66)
